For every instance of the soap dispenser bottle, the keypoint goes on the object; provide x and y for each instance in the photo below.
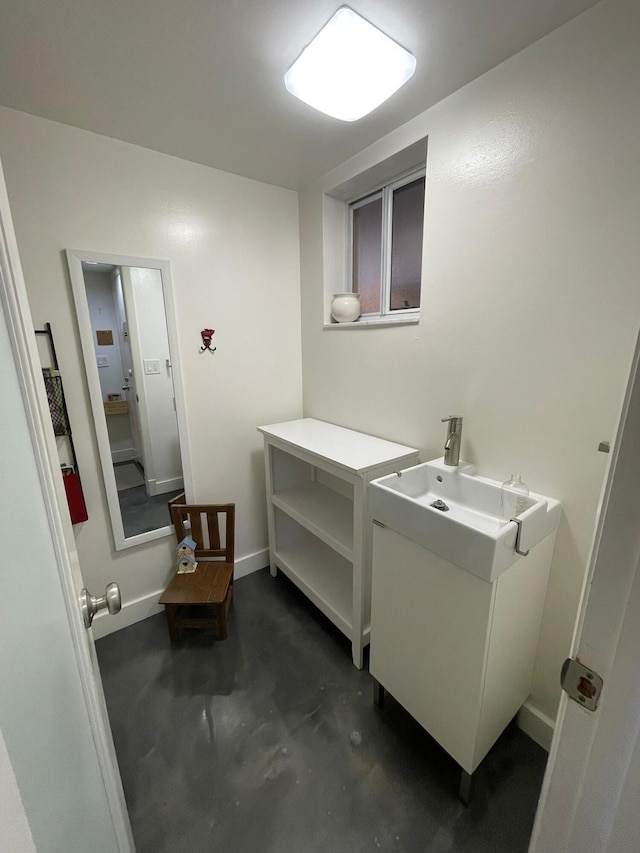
(514, 497)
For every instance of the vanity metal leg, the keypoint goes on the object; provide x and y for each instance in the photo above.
(378, 694)
(466, 786)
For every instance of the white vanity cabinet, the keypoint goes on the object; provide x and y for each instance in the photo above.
(319, 535)
(457, 651)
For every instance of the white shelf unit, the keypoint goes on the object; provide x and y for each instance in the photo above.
(319, 533)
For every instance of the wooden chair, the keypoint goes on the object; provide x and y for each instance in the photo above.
(202, 598)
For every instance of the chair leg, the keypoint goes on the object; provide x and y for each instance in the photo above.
(221, 621)
(174, 633)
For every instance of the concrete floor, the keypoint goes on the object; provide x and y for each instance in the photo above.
(269, 741)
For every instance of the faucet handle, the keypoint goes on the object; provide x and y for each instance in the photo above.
(452, 418)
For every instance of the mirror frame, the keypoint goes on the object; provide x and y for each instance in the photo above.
(75, 259)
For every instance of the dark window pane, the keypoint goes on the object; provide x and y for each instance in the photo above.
(367, 254)
(406, 245)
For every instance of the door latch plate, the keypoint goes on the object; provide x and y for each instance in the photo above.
(582, 684)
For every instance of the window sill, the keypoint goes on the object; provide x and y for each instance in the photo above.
(364, 323)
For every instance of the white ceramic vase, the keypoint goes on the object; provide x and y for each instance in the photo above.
(345, 307)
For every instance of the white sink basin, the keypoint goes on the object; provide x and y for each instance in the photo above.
(469, 534)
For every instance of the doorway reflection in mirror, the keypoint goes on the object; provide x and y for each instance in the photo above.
(129, 331)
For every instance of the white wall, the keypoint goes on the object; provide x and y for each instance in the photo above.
(233, 248)
(530, 298)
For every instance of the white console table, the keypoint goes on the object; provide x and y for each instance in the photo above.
(319, 533)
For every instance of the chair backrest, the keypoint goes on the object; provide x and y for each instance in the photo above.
(204, 528)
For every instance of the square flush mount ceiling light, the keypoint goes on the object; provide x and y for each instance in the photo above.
(349, 68)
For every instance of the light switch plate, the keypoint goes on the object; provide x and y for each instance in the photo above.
(151, 366)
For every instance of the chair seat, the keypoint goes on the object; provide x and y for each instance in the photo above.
(199, 599)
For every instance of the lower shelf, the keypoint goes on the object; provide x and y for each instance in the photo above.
(325, 578)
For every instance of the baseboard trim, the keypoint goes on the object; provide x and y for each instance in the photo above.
(127, 455)
(537, 725)
(251, 563)
(147, 605)
(132, 612)
(159, 487)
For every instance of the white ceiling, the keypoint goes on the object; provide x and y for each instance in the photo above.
(202, 79)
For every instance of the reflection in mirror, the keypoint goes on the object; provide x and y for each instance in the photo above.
(131, 372)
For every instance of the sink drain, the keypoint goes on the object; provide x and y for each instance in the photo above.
(441, 505)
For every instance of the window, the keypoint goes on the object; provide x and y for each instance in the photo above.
(386, 247)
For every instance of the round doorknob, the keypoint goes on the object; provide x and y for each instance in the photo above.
(90, 605)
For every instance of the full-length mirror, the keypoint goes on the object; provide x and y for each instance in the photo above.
(127, 329)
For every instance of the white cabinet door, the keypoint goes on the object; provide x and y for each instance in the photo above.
(430, 625)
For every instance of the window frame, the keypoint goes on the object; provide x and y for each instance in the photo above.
(385, 192)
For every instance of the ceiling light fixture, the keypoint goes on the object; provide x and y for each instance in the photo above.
(349, 68)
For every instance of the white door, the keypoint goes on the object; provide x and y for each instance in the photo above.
(131, 396)
(58, 771)
(591, 793)
(136, 379)
(128, 378)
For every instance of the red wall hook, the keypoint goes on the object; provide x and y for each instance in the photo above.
(207, 334)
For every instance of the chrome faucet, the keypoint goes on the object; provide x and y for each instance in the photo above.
(454, 438)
